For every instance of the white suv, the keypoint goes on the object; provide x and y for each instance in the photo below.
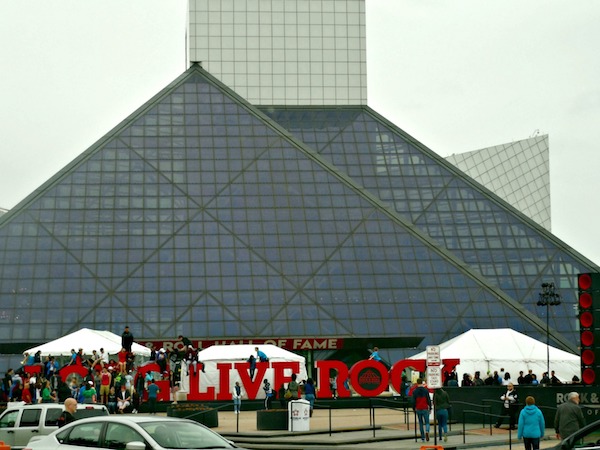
(19, 422)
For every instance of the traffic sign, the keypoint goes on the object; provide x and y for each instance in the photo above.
(434, 377)
(433, 355)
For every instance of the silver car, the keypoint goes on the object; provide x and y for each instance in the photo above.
(132, 432)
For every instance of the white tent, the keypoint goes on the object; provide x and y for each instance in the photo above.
(88, 340)
(482, 350)
(240, 353)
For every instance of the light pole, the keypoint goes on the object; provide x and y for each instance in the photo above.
(548, 297)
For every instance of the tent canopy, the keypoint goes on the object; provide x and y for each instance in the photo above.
(242, 352)
(486, 350)
(88, 340)
(215, 354)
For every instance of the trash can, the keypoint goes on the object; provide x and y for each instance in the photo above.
(299, 415)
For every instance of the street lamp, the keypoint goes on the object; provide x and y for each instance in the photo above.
(548, 297)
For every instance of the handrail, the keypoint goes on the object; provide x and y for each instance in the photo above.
(477, 405)
(471, 411)
(204, 411)
(328, 408)
(373, 406)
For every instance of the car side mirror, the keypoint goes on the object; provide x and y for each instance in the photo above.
(135, 445)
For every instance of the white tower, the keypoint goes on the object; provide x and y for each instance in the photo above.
(283, 52)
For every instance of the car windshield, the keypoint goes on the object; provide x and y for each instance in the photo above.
(183, 434)
(588, 439)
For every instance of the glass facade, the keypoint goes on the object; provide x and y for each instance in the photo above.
(519, 172)
(283, 52)
(477, 227)
(200, 215)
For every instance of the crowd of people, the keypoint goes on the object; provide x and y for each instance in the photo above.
(116, 383)
(527, 419)
(113, 382)
(503, 378)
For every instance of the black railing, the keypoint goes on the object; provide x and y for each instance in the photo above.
(386, 404)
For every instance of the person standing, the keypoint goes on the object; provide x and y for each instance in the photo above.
(531, 425)
(293, 387)
(477, 381)
(466, 381)
(422, 405)
(26, 394)
(89, 395)
(268, 393)
(175, 381)
(52, 367)
(569, 417)
(153, 391)
(545, 379)
(17, 393)
(103, 357)
(554, 379)
(281, 394)
(7, 383)
(441, 400)
(310, 393)
(47, 394)
(105, 383)
(67, 415)
(252, 366)
(509, 407)
(127, 339)
(236, 395)
(333, 384)
(112, 400)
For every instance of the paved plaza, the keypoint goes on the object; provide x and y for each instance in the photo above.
(351, 428)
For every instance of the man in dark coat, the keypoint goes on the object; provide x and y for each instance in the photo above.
(127, 339)
(569, 417)
(67, 415)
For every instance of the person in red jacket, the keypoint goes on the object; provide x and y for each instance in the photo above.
(422, 406)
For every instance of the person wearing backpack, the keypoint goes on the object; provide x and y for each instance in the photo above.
(422, 406)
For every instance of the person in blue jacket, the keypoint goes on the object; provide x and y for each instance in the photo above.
(260, 355)
(531, 425)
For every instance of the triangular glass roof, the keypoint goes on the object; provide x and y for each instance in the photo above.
(198, 215)
(495, 240)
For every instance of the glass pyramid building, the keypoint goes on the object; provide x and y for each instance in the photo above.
(203, 215)
(519, 172)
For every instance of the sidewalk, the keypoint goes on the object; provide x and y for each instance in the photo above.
(351, 428)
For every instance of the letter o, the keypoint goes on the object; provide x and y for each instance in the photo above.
(375, 366)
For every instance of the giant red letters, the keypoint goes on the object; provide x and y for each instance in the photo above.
(250, 387)
(368, 378)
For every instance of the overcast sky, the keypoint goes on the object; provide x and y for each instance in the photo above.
(458, 75)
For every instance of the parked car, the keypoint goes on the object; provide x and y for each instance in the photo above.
(587, 438)
(131, 432)
(19, 422)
